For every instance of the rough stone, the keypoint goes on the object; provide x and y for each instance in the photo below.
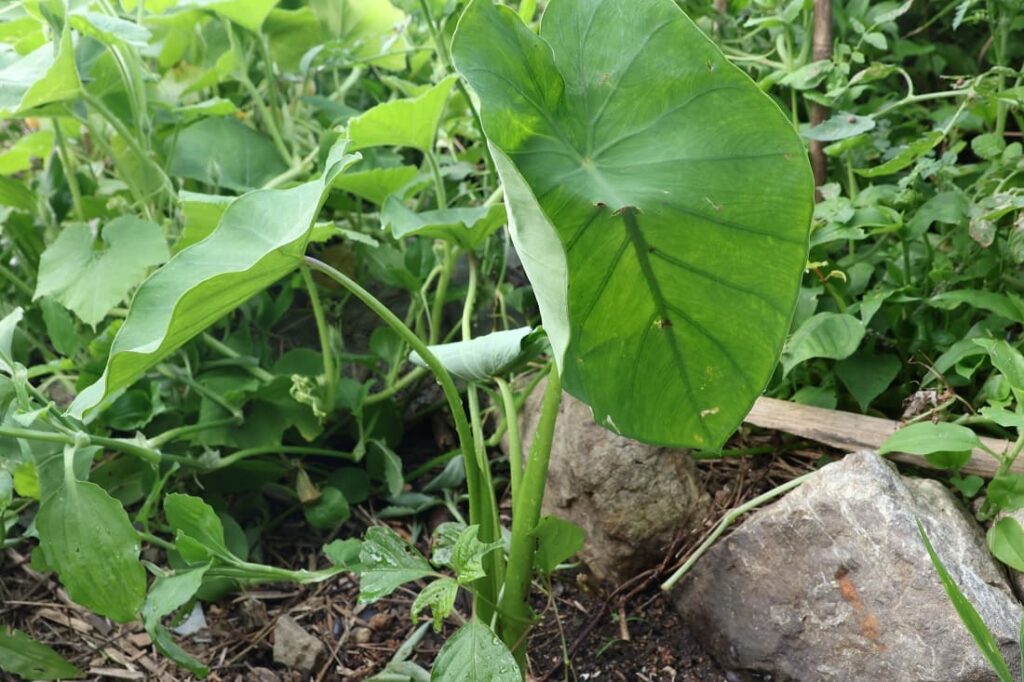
(296, 648)
(833, 583)
(631, 499)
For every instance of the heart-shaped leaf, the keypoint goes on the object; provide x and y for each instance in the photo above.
(261, 238)
(660, 203)
(90, 281)
(402, 122)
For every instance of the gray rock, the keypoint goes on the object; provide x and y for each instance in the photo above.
(630, 498)
(833, 583)
(296, 648)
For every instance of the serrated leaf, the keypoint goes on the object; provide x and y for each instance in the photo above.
(90, 542)
(467, 227)
(260, 239)
(387, 562)
(468, 553)
(90, 281)
(402, 122)
(475, 654)
(926, 438)
(988, 145)
(654, 215)
(22, 656)
(480, 358)
(439, 597)
(825, 335)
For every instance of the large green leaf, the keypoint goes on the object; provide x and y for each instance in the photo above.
(40, 77)
(475, 654)
(28, 659)
(90, 281)
(261, 238)
(89, 540)
(660, 203)
(372, 30)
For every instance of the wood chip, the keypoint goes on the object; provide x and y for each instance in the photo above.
(117, 673)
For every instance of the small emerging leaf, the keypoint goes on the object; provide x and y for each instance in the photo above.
(439, 597)
(483, 357)
(388, 562)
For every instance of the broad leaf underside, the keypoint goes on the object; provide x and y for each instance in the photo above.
(679, 192)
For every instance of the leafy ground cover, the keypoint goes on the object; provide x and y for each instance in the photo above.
(199, 200)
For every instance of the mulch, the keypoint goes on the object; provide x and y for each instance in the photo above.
(586, 632)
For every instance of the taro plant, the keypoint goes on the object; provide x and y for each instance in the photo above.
(660, 203)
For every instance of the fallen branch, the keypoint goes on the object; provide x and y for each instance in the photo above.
(851, 432)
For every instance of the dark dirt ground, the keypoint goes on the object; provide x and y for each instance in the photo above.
(629, 633)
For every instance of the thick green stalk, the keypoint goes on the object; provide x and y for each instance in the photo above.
(330, 368)
(487, 590)
(525, 515)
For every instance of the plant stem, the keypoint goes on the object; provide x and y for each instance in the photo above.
(525, 515)
(470, 303)
(228, 351)
(488, 592)
(727, 521)
(147, 455)
(527, 8)
(69, 170)
(435, 170)
(441, 293)
(330, 368)
(187, 430)
(515, 446)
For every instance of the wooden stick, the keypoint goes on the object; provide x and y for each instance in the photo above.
(851, 432)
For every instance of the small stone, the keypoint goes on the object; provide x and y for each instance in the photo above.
(263, 675)
(362, 635)
(296, 648)
(631, 499)
(833, 582)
